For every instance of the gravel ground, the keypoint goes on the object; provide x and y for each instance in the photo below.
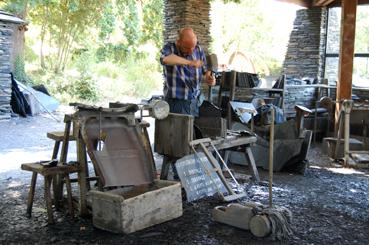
(329, 204)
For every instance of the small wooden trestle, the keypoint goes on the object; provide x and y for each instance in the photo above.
(57, 175)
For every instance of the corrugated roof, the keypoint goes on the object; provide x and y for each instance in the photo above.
(7, 17)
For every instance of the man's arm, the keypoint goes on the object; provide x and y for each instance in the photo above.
(173, 59)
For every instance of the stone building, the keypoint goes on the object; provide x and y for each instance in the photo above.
(187, 13)
(10, 28)
(305, 52)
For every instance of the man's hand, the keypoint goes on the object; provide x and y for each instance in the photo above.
(209, 78)
(195, 63)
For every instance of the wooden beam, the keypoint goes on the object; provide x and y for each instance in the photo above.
(322, 2)
(303, 3)
(346, 58)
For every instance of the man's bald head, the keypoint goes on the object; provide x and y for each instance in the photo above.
(187, 40)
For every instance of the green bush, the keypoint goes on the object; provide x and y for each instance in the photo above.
(85, 88)
(19, 71)
(144, 77)
(108, 69)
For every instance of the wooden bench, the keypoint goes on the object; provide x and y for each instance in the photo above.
(49, 173)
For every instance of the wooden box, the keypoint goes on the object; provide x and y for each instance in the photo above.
(130, 209)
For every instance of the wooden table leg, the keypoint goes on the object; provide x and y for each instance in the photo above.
(57, 188)
(55, 150)
(81, 156)
(69, 194)
(165, 168)
(31, 194)
(50, 217)
(251, 160)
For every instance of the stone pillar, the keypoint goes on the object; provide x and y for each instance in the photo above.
(5, 68)
(187, 13)
(305, 51)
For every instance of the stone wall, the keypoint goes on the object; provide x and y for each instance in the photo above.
(5, 68)
(305, 51)
(187, 13)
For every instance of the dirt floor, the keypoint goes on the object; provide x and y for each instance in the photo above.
(329, 204)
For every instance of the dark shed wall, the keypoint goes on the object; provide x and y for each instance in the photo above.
(187, 13)
(305, 51)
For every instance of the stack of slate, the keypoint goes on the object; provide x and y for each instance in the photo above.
(5, 81)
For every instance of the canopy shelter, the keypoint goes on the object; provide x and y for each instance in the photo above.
(321, 3)
(347, 42)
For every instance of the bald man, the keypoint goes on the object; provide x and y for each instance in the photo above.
(184, 67)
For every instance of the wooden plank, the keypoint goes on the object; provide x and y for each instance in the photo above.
(232, 141)
(59, 136)
(59, 169)
(346, 58)
(303, 3)
(322, 2)
(82, 174)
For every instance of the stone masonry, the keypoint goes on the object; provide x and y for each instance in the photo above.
(5, 81)
(9, 24)
(187, 13)
(305, 52)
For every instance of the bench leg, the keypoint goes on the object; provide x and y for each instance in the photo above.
(55, 150)
(69, 195)
(250, 157)
(48, 200)
(31, 194)
(57, 190)
(165, 168)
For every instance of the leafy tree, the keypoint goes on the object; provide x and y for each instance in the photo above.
(107, 22)
(152, 28)
(64, 23)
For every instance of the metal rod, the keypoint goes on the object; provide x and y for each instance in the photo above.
(271, 149)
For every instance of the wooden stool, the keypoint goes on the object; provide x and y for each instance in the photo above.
(49, 173)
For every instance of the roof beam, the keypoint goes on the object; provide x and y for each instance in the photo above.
(322, 2)
(303, 3)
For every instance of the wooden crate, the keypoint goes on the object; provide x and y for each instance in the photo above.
(127, 210)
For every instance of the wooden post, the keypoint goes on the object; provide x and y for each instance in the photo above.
(82, 161)
(271, 153)
(346, 58)
(232, 90)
